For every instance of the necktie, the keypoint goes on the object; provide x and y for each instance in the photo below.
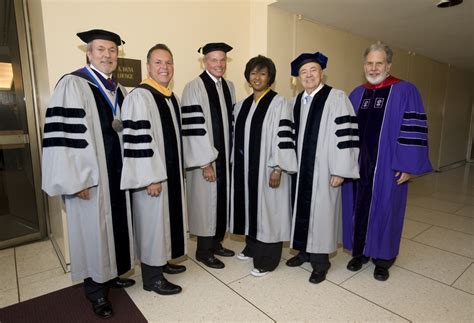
(111, 83)
(307, 99)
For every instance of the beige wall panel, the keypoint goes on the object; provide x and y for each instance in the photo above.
(258, 27)
(250, 30)
(142, 25)
(470, 147)
(457, 113)
(280, 47)
(420, 74)
(400, 63)
(35, 15)
(312, 37)
(258, 33)
(354, 62)
(434, 106)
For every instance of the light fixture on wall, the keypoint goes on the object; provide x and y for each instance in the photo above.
(6, 76)
(448, 3)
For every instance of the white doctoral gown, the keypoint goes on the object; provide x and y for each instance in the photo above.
(317, 211)
(263, 140)
(74, 158)
(152, 141)
(201, 120)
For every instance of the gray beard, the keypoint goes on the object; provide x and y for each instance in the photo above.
(377, 80)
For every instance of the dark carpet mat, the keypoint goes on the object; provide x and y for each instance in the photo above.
(70, 305)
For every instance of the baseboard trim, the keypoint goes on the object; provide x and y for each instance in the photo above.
(452, 166)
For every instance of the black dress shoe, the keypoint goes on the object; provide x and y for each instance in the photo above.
(224, 252)
(212, 262)
(295, 261)
(317, 276)
(381, 273)
(163, 287)
(102, 308)
(173, 269)
(356, 263)
(121, 282)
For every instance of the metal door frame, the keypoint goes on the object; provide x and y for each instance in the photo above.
(24, 43)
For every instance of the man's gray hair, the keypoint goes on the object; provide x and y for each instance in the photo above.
(89, 46)
(380, 46)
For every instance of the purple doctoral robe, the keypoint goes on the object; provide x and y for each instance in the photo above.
(393, 138)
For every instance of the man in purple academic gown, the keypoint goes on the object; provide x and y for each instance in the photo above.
(393, 146)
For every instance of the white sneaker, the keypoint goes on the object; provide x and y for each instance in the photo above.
(258, 272)
(241, 256)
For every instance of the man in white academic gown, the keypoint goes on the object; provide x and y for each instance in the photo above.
(153, 168)
(327, 151)
(82, 162)
(206, 119)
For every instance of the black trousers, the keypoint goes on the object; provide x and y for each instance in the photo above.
(206, 245)
(384, 263)
(266, 256)
(150, 274)
(319, 261)
(95, 290)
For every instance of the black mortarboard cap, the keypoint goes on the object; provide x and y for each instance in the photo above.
(90, 35)
(304, 58)
(210, 47)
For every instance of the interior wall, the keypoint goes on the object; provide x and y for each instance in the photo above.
(430, 79)
(470, 145)
(456, 117)
(435, 107)
(353, 61)
(183, 25)
(57, 226)
(258, 27)
(251, 28)
(311, 37)
(470, 148)
(401, 62)
(258, 40)
(35, 18)
(447, 98)
(280, 47)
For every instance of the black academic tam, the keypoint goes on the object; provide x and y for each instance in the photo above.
(211, 47)
(90, 35)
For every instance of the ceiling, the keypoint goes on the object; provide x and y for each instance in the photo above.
(445, 35)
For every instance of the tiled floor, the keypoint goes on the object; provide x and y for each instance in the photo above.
(432, 280)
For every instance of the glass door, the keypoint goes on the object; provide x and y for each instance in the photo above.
(21, 205)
